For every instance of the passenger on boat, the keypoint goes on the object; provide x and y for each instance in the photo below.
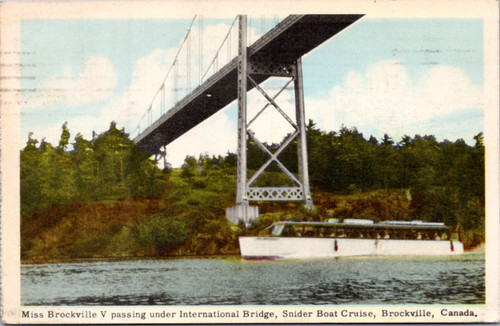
(289, 232)
(309, 234)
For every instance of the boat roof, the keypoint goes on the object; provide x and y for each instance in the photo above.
(369, 223)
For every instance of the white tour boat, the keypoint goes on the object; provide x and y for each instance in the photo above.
(352, 237)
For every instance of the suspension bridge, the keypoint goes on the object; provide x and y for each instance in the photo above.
(238, 66)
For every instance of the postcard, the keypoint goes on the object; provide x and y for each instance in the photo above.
(169, 162)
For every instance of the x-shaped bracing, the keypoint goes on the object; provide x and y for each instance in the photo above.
(242, 211)
(284, 143)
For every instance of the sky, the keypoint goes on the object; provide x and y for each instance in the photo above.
(381, 75)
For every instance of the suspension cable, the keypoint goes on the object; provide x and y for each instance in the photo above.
(200, 48)
(220, 47)
(170, 69)
(188, 62)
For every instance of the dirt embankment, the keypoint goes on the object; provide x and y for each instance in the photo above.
(96, 230)
(112, 230)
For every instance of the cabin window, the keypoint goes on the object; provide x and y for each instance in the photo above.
(360, 232)
(278, 229)
(309, 231)
(369, 233)
(326, 232)
(299, 230)
(428, 235)
(341, 233)
(289, 231)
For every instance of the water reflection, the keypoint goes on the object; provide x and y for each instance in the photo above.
(369, 280)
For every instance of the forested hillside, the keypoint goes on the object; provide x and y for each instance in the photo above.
(104, 198)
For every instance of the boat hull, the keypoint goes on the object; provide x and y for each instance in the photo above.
(314, 248)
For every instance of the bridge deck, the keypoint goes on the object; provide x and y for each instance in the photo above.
(288, 41)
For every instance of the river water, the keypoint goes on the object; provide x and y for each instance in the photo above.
(231, 281)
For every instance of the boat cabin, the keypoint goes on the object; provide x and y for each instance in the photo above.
(362, 228)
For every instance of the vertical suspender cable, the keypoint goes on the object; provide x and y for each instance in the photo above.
(162, 108)
(229, 48)
(214, 63)
(176, 72)
(200, 46)
(174, 66)
(188, 63)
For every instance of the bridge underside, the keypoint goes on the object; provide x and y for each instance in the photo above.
(285, 44)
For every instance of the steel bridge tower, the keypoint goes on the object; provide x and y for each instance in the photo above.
(247, 71)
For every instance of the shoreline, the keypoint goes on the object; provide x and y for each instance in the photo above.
(480, 249)
(127, 258)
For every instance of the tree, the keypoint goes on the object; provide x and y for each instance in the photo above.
(388, 163)
(30, 177)
(190, 167)
(85, 163)
(108, 167)
(113, 152)
(321, 169)
(63, 142)
(405, 150)
(163, 233)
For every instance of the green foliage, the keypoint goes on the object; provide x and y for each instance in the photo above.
(163, 233)
(104, 198)
(109, 167)
(47, 176)
(307, 214)
(190, 167)
(64, 138)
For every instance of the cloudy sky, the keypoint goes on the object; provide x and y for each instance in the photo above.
(394, 76)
